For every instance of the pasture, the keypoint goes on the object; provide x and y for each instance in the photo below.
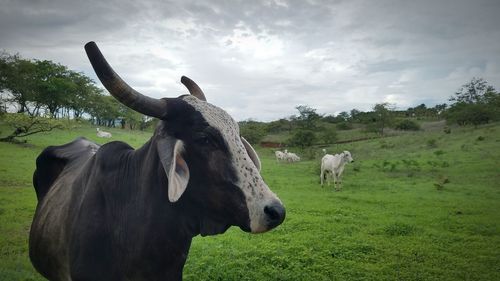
(417, 206)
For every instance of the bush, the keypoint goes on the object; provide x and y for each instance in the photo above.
(253, 132)
(24, 125)
(302, 138)
(407, 125)
(309, 153)
(328, 136)
(344, 126)
(371, 128)
(470, 114)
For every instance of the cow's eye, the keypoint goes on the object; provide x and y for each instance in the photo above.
(203, 140)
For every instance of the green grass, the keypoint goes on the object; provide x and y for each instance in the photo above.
(389, 222)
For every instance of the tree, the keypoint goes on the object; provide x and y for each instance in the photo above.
(104, 110)
(354, 114)
(440, 108)
(279, 126)
(41, 86)
(130, 117)
(418, 111)
(469, 114)
(383, 117)
(302, 138)
(344, 116)
(307, 117)
(54, 86)
(17, 77)
(83, 92)
(329, 119)
(475, 103)
(472, 92)
(252, 131)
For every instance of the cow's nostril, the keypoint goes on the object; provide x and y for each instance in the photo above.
(275, 214)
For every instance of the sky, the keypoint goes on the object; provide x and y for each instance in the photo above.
(260, 59)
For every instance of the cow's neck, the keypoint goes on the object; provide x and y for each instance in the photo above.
(148, 210)
(153, 180)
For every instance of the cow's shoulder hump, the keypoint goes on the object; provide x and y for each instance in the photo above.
(54, 159)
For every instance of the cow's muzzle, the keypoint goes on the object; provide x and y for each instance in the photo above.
(275, 214)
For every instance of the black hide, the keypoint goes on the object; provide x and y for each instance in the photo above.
(107, 216)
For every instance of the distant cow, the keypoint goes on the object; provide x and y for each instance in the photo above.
(334, 165)
(292, 157)
(116, 213)
(279, 155)
(103, 134)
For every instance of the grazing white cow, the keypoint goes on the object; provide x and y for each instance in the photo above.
(279, 155)
(292, 157)
(103, 134)
(334, 165)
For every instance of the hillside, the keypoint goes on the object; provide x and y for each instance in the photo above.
(414, 206)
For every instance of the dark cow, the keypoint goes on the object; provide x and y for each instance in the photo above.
(114, 213)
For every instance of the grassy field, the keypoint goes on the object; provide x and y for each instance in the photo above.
(417, 206)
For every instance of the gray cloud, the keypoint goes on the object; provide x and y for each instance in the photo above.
(261, 59)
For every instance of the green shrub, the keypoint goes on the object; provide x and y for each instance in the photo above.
(308, 153)
(344, 126)
(328, 136)
(23, 125)
(302, 138)
(253, 132)
(407, 125)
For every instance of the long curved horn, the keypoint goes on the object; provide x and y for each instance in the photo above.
(121, 90)
(193, 88)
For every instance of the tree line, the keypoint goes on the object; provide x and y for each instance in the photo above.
(38, 89)
(474, 103)
(42, 88)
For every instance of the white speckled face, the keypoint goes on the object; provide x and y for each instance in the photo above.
(257, 193)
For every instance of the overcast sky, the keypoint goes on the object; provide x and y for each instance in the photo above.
(260, 59)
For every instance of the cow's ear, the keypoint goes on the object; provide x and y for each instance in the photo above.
(251, 152)
(170, 151)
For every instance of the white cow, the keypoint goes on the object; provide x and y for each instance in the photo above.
(279, 155)
(103, 134)
(292, 157)
(286, 156)
(334, 165)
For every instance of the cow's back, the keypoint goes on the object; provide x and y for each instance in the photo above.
(56, 168)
